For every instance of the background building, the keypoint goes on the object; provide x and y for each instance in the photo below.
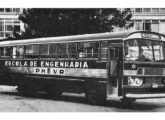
(9, 21)
(151, 19)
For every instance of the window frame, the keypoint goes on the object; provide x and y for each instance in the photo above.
(93, 53)
(31, 56)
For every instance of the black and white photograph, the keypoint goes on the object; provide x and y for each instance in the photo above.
(82, 59)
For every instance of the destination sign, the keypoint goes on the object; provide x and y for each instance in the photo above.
(150, 35)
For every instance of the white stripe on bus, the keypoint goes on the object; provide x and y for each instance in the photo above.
(75, 72)
(130, 72)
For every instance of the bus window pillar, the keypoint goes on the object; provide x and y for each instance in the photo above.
(14, 52)
(21, 52)
(4, 51)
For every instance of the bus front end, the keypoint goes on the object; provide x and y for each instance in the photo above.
(144, 68)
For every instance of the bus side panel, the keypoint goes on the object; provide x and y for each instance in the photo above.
(45, 71)
(60, 68)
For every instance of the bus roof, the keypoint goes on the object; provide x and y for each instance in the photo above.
(79, 38)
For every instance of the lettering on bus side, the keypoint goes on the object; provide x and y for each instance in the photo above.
(51, 71)
(64, 64)
(17, 63)
(52, 64)
(41, 71)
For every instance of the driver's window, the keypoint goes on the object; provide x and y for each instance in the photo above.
(138, 50)
(145, 50)
(158, 51)
(163, 51)
(131, 50)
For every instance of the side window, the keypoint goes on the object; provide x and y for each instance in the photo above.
(18, 52)
(53, 50)
(48, 50)
(104, 50)
(63, 50)
(163, 50)
(131, 50)
(44, 50)
(72, 49)
(31, 51)
(5, 52)
(88, 50)
(158, 51)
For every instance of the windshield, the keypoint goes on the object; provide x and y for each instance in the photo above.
(144, 50)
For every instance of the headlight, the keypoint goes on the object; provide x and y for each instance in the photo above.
(135, 81)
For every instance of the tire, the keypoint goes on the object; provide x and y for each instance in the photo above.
(95, 93)
(28, 90)
(126, 100)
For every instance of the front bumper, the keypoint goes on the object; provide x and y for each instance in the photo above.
(144, 92)
(142, 96)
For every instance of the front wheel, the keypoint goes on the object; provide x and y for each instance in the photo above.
(27, 89)
(126, 100)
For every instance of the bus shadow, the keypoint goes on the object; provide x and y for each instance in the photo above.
(117, 104)
(135, 107)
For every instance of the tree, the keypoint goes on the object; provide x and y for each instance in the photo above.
(60, 22)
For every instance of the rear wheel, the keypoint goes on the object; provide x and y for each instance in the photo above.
(27, 89)
(95, 92)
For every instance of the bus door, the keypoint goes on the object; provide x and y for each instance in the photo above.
(114, 67)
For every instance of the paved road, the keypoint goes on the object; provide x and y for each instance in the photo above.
(11, 101)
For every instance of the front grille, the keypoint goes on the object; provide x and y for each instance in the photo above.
(151, 71)
(150, 81)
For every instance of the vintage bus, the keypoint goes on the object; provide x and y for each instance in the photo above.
(127, 65)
